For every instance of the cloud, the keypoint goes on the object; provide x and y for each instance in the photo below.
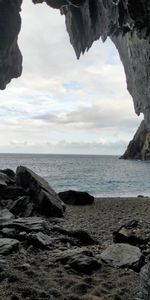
(58, 98)
(64, 147)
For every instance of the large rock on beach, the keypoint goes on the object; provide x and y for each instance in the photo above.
(76, 198)
(123, 255)
(45, 199)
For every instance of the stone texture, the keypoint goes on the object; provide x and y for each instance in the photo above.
(8, 245)
(131, 233)
(10, 173)
(46, 200)
(80, 260)
(122, 255)
(5, 216)
(39, 240)
(10, 55)
(4, 181)
(80, 237)
(139, 147)
(22, 207)
(11, 192)
(144, 293)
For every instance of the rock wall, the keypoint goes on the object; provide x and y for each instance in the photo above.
(139, 147)
(10, 56)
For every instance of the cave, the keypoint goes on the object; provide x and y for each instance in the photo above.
(126, 24)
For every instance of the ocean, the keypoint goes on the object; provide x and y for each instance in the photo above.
(100, 175)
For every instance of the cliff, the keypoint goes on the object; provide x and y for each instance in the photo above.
(126, 22)
(139, 147)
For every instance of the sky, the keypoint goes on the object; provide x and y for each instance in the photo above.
(61, 104)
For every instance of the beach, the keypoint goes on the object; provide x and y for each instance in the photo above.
(39, 274)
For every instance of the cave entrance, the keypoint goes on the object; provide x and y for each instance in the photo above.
(63, 105)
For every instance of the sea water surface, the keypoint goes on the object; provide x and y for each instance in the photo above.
(100, 175)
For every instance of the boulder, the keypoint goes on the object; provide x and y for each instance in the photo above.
(130, 233)
(8, 245)
(76, 197)
(123, 255)
(46, 200)
(81, 261)
(10, 173)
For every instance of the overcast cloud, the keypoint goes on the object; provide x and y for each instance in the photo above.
(60, 104)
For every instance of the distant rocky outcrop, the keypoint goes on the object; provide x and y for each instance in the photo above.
(139, 147)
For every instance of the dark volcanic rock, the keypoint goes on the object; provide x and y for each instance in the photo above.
(80, 260)
(45, 199)
(4, 181)
(11, 192)
(139, 147)
(76, 197)
(10, 173)
(22, 207)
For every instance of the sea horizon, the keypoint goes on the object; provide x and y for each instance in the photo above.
(99, 175)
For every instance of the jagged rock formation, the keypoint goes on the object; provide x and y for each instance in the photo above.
(139, 147)
(10, 55)
(126, 22)
(28, 194)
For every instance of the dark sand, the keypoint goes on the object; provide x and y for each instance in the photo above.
(34, 275)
